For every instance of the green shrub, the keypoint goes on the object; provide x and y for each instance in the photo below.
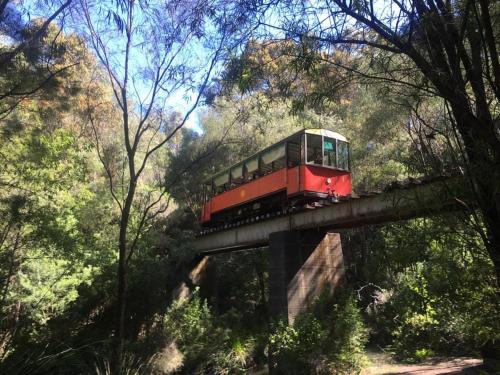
(423, 353)
(328, 340)
(438, 291)
(234, 357)
(201, 343)
(423, 323)
(349, 335)
(297, 349)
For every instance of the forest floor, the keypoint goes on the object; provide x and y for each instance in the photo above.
(383, 364)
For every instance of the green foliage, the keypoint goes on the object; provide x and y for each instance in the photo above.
(439, 292)
(58, 224)
(242, 297)
(42, 234)
(328, 340)
(203, 343)
(235, 358)
(188, 321)
(55, 214)
(48, 78)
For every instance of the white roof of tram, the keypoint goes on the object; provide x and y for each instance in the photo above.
(327, 133)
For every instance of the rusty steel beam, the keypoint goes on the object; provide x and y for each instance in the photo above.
(423, 199)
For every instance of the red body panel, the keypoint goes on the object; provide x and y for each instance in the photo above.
(250, 191)
(314, 179)
(295, 180)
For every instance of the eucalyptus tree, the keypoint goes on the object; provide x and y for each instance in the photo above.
(6, 10)
(20, 48)
(154, 54)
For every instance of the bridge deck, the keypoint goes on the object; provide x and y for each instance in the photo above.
(402, 202)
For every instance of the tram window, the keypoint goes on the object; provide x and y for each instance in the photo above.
(252, 168)
(302, 148)
(329, 152)
(221, 183)
(237, 175)
(314, 149)
(293, 153)
(343, 155)
(273, 159)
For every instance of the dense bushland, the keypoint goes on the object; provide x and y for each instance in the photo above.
(419, 288)
(329, 339)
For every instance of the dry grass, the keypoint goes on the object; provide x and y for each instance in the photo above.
(169, 360)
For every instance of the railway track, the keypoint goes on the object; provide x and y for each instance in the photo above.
(289, 211)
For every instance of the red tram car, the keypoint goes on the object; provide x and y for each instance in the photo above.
(303, 170)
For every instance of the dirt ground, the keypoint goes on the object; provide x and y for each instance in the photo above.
(383, 365)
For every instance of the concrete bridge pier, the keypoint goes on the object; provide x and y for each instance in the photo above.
(302, 264)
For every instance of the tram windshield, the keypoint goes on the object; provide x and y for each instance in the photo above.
(327, 151)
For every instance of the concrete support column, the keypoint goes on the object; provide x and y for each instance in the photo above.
(302, 264)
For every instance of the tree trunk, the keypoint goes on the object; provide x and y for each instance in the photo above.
(483, 158)
(119, 337)
(120, 310)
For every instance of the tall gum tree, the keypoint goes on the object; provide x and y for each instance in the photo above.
(153, 54)
(19, 39)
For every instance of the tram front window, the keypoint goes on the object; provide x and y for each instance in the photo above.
(314, 149)
(330, 152)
